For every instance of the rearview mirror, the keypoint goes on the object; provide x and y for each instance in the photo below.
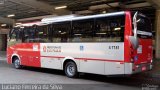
(134, 42)
(135, 24)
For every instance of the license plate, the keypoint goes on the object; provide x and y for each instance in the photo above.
(144, 68)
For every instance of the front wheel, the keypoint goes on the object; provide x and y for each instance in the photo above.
(16, 63)
(71, 70)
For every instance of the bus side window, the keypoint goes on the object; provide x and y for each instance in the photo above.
(61, 31)
(102, 30)
(82, 30)
(109, 29)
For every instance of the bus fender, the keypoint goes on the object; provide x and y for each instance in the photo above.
(72, 59)
(15, 55)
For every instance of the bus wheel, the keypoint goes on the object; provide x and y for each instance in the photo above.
(71, 70)
(16, 63)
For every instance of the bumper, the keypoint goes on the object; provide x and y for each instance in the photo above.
(141, 68)
(131, 68)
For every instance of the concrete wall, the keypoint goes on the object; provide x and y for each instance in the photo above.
(157, 22)
(3, 39)
(3, 42)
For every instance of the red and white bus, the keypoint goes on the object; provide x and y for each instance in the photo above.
(118, 43)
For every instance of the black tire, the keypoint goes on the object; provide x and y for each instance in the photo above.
(16, 63)
(71, 70)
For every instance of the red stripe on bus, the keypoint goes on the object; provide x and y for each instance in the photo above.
(85, 59)
(53, 56)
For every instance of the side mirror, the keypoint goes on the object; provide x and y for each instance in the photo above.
(135, 24)
(134, 42)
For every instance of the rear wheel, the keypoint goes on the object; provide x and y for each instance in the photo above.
(71, 70)
(16, 63)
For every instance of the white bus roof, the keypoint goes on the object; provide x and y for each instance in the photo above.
(75, 17)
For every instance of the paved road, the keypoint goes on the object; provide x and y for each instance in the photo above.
(27, 75)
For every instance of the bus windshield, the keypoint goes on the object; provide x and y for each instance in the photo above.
(143, 27)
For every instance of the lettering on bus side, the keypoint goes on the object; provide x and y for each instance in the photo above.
(114, 47)
(51, 48)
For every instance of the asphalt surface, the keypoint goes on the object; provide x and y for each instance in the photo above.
(28, 75)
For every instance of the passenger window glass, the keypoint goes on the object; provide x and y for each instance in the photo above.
(82, 30)
(109, 29)
(35, 34)
(42, 34)
(61, 32)
(103, 29)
